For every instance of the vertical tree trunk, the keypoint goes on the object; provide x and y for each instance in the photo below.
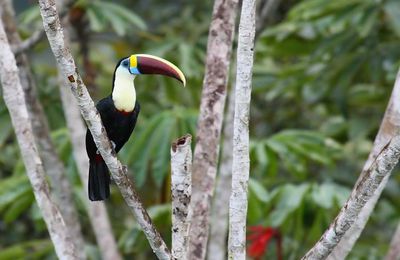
(265, 14)
(389, 128)
(219, 218)
(394, 249)
(181, 191)
(15, 102)
(241, 159)
(210, 121)
(54, 168)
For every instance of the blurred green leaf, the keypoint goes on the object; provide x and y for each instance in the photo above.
(290, 199)
(35, 249)
(101, 13)
(258, 190)
(12, 188)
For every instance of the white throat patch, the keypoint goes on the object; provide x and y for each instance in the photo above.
(124, 93)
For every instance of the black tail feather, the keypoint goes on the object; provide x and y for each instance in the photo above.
(99, 181)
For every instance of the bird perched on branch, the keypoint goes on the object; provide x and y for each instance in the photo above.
(119, 112)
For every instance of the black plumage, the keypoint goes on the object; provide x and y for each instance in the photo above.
(119, 126)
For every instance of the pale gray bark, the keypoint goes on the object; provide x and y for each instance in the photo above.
(241, 157)
(394, 249)
(210, 121)
(181, 191)
(382, 166)
(54, 168)
(219, 218)
(97, 211)
(15, 102)
(91, 116)
(389, 128)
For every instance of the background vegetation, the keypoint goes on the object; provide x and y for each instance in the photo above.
(323, 76)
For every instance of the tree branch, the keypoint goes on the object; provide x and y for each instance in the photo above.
(219, 216)
(38, 35)
(181, 191)
(90, 114)
(382, 166)
(265, 15)
(394, 249)
(241, 159)
(15, 102)
(389, 128)
(210, 121)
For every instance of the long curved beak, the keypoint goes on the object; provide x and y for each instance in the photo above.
(149, 64)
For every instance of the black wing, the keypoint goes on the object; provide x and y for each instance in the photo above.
(119, 126)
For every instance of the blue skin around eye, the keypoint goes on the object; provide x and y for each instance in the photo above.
(134, 70)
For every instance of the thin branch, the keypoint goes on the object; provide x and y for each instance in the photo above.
(97, 211)
(38, 35)
(181, 191)
(15, 102)
(384, 163)
(265, 15)
(389, 128)
(210, 121)
(241, 158)
(90, 114)
(28, 43)
(394, 249)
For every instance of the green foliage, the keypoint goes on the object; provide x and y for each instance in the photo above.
(103, 13)
(296, 149)
(14, 189)
(327, 68)
(35, 249)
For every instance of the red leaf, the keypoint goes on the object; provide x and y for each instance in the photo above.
(259, 239)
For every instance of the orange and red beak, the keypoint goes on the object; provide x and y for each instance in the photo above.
(149, 64)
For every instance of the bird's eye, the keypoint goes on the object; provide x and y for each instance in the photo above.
(125, 63)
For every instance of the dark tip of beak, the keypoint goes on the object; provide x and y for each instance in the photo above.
(149, 65)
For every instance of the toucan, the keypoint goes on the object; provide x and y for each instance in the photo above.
(119, 112)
